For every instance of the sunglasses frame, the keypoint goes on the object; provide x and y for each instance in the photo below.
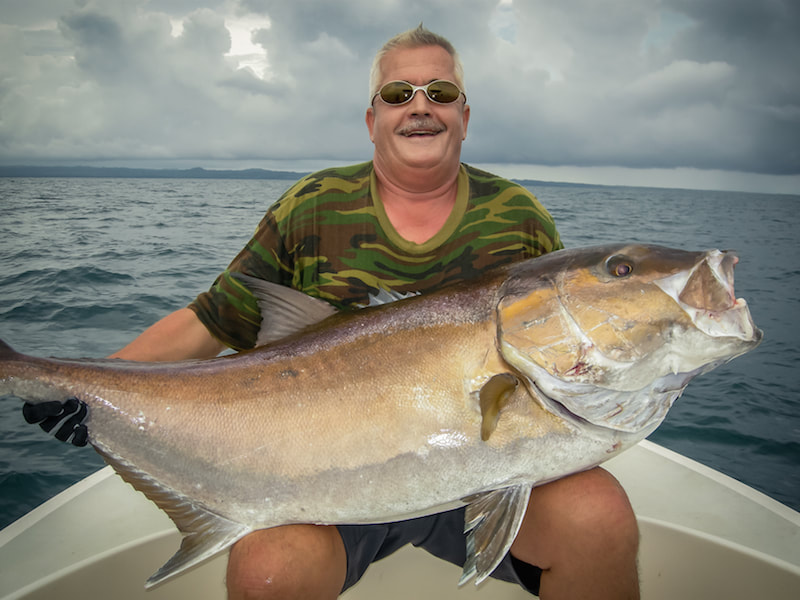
(417, 88)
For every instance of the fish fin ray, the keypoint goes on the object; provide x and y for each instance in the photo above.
(491, 522)
(386, 296)
(205, 534)
(215, 535)
(284, 310)
(494, 397)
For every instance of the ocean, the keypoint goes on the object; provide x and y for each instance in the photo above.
(87, 264)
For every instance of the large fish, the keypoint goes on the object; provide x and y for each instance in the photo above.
(469, 395)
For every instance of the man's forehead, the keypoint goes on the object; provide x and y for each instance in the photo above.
(423, 63)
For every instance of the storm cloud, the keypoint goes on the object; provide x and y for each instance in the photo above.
(646, 84)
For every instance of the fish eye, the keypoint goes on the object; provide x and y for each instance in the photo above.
(619, 266)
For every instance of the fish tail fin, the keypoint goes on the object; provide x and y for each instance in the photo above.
(205, 534)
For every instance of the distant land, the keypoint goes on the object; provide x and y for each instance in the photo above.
(193, 173)
(125, 172)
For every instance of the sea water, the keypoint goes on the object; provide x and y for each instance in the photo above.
(87, 264)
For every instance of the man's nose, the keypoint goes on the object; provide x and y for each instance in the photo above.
(419, 103)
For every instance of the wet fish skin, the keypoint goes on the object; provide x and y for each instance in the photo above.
(469, 395)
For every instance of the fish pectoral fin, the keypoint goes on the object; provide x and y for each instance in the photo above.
(284, 310)
(492, 521)
(494, 396)
(206, 534)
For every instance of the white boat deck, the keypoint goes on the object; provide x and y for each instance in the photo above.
(704, 536)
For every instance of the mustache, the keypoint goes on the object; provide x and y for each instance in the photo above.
(416, 124)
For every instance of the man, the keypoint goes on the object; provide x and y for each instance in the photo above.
(411, 220)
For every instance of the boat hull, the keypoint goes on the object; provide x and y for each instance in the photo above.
(703, 535)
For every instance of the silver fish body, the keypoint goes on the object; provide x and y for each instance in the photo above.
(469, 395)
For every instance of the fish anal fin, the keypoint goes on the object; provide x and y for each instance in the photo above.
(206, 533)
(215, 536)
(492, 521)
(494, 396)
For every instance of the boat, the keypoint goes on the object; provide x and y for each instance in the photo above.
(703, 535)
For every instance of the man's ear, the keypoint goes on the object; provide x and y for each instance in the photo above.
(465, 120)
(370, 120)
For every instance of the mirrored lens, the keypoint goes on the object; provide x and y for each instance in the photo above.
(400, 92)
(396, 92)
(443, 92)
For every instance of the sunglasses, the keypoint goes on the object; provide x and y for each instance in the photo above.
(400, 92)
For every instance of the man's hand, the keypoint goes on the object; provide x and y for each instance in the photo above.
(68, 415)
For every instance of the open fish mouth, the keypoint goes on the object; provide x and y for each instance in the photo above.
(706, 294)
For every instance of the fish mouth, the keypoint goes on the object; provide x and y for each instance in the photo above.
(706, 294)
(710, 283)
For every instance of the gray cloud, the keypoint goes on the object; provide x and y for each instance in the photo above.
(706, 84)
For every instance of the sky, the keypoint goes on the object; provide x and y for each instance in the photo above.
(700, 94)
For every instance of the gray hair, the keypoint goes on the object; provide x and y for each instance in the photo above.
(413, 38)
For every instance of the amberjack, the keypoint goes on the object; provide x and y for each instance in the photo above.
(470, 395)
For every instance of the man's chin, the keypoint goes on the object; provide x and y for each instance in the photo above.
(422, 148)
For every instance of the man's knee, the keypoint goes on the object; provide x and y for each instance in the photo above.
(601, 511)
(609, 508)
(287, 562)
(588, 511)
(582, 533)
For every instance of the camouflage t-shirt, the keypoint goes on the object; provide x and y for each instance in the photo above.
(329, 236)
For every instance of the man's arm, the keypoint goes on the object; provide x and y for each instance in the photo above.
(178, 336)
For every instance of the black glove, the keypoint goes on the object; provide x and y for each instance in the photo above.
(69, 414)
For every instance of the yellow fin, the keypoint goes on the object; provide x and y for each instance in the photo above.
(494, 396)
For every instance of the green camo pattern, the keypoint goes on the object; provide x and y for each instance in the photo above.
(328, 236)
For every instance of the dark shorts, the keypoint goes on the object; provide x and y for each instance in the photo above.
(441, 535)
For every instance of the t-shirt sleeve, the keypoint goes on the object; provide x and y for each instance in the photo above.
(545, 236)
(228, 309)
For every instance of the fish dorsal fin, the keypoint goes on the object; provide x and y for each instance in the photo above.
(492, 521)
(494, 396)
(284, 310)
(206, 534)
